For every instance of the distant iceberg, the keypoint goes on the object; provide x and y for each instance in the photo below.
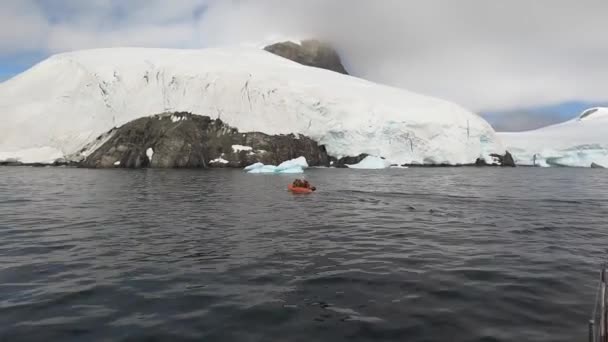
(291, 166)
(371, 163)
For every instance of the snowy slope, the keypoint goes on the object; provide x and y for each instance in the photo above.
(578, 142)
(68, 100)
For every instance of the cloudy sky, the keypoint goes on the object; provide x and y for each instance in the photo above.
(509, 59)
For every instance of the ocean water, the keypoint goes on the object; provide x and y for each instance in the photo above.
(450, 254)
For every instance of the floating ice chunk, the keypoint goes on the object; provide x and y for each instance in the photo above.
(264, 169)
(274, 170)
(239, 148)
(298, 162)
(371, 163)
(291, 166)
(150, 153)
(294, 169)
(254, 166)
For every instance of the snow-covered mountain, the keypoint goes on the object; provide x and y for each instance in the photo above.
(578, 142)
(66, 101)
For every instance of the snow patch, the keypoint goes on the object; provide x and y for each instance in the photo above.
(594, 114)
(219, 160)
(371, 163)
(176, 118)
(239, 148)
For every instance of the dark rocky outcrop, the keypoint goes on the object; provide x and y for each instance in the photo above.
(311, 53)
(10, 163)
(185, 140)
(505, 160)
(342, 162)
(55, 163)
(481, 162)
(596, 166)
(508, 160)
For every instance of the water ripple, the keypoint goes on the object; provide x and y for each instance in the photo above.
(398, 255)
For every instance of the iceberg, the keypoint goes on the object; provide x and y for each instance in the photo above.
(254, 166)
(67, 101)
(264, 169)
(291, 166)
(575, 143)
(294, 169)
(371, 163)
(294, 163)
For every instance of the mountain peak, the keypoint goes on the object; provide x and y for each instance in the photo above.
(311, 52)
(593, 114)
(66, 102)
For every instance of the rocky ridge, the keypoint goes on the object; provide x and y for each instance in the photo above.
(185, 140)
(312, 53)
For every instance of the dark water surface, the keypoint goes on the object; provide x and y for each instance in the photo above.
(398, 255)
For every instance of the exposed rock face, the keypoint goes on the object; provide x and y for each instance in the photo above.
(505, 160)
(184, 140)
(311, 52)
(342, 162)
(481, 162)
(596, 166)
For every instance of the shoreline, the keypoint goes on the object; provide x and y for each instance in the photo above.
(404, 166)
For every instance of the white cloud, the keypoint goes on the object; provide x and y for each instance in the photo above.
(22, 26)
(486, 55)
(62, 25)
(63, 38)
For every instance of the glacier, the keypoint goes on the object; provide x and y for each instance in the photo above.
(371, 163)
(64, 103)
(575, 143)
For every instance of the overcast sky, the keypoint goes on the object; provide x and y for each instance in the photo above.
(486, 55)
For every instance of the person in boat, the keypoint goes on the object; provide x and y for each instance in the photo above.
(308, 186)
(298, 183)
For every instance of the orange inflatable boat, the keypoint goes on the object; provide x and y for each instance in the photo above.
(298, 190)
